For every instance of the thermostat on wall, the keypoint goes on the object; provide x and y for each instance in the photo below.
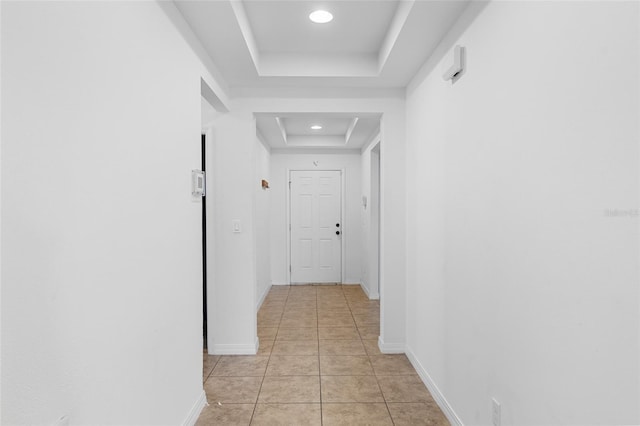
(197, 183)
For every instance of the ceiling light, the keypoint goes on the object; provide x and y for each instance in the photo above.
(321, 17)
(316, 127)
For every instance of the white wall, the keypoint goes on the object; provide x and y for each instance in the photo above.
(280, 165)
(369, 217)
(262, 221)
(232, 326)
(101, 277)
(520, 287)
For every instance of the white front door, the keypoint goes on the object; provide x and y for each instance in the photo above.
(316, 226)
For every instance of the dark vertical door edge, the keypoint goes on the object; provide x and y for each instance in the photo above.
(204, 249)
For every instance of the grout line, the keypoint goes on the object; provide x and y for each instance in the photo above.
(255, 406)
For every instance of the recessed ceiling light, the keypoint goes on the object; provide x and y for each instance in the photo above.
(321, 17)
(316, 127)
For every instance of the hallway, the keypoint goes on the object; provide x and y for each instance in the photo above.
(318, 364)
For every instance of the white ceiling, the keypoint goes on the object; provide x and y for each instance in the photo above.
(271, 45)
(339, 131)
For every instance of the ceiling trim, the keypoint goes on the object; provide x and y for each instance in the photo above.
(314, 151)
(283, 131)
(247, 32)
(352, 126)
(317, 92)
(399, 19)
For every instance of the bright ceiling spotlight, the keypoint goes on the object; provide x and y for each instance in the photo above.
(316, 127)
(320, 16)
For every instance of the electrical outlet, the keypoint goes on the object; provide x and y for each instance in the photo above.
(495, 412)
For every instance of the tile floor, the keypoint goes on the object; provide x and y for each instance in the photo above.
(318, 364)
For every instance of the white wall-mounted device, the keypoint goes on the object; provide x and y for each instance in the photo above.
(455, 71)
(197, 183)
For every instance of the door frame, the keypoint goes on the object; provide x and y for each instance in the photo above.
(342, 217)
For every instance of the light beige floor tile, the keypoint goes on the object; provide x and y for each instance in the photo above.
(239, 390)
(345, 365)
(299, 322)
(266, 311)
(287, 415)
(268, 323)
(293, 365)
(226, 415)
(374, 311)
(301, 304)
(392, 365)
(371, 346)
(404, 389)
(274, 299)
(338, 333)
(301, 310)
(363, 304)
(424, 414)
(350, 389)
(297, 316)
(355, 414)
(279, 288)
(295, 333)
(290, 389)
(267, 333)
(208, 363)
(342, 347)
(241, 365)
(300, 297)
(337, 320)
(273, 304)
(295, 347)
(366, 320)
(369, 332)
(265, 348)
(324, 311)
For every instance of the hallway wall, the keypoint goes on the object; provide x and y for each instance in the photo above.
(101, 248)
(263, 220)
(280, 163)
(369, 218)
(522, 285)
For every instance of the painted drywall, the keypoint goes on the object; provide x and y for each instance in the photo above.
(522, 278)
(262, 221)
(101, 277)
(232, 328)
(369, 217)
(280, 166)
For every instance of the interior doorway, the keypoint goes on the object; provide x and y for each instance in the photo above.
(203, 157)
(316, 227)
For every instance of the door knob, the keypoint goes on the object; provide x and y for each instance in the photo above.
(337, 225)
(337, 232)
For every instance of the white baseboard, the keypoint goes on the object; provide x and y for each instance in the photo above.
(279, 284)
(195, 411)
(372, 295)
(390, 348)
(442, 402)
(263, 296)
(234, 348)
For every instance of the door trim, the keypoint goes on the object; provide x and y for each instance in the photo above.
(342, 218)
